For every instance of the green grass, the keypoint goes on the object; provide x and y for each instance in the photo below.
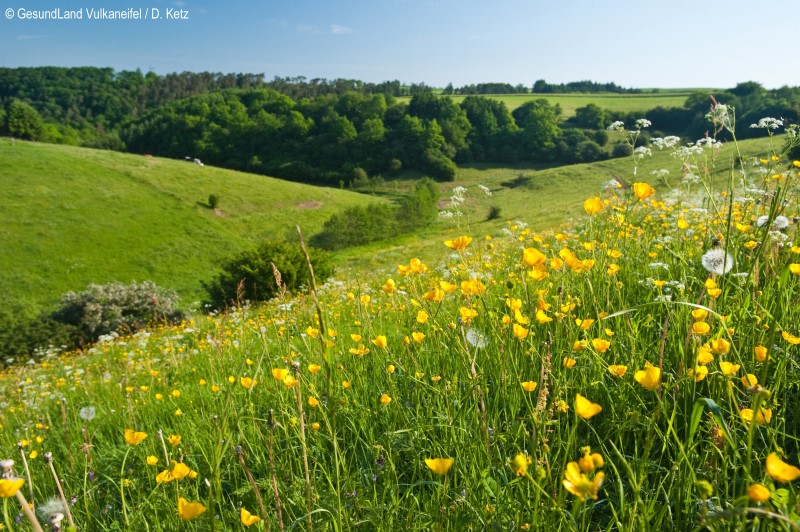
(623, 103)
(554, 307)
(72, 216)
(553, 198)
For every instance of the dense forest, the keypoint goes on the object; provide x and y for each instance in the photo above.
(339, 131)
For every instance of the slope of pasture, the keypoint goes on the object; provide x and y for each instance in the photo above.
(569, 102)
(550, 198)
(72, 216)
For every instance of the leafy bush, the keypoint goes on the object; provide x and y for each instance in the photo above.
(101, 309)
(494, 213)
(249, 276)
(356, 226)
(621, 150)
(213, 201)
(22, 335)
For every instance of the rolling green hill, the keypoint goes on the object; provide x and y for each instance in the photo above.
(72, 216)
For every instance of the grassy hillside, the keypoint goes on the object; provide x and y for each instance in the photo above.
(637, 370)
(549, 198)
(570, 102)
(72, 216)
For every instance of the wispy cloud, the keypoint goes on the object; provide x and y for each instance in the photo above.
(336, 29)
(305, 28)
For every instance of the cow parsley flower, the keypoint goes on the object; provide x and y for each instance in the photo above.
(768, 123)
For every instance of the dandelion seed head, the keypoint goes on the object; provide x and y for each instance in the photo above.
(717, 261)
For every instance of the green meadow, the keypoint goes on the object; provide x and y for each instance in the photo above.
(604, 359)
(623, 103)
(72, 216)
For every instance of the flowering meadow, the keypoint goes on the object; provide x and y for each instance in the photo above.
(636, 370)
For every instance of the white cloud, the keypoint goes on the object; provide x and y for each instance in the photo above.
(305, 28)
(336, 29)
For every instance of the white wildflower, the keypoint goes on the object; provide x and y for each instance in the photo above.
(665, 142)
(87, 413)
(619, 125)
(643, 123)
(768, 123)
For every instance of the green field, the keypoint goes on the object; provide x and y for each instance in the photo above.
(72, 216)
(550, 200)
(635, 369)
(75, 216)
(615, 102)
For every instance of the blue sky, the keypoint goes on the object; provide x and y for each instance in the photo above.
(632, 43)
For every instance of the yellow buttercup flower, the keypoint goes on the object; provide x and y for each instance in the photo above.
(758, 493)
(134, 438)
(763, 417)
(700, 314)
(313, 402)
(520, 331)
(459, 243)
(760, 353)
(568, 362)
(780, 470)
(174, 439)
(385, 399)
(439, 466)
(521, 463)
(314, 368)
(360, 351)
(601, 345)
(792, 339)
(593, 205)
(189, 510)
(152, 460)
(643, 191)
(729, 368)
(247, 382)
(617, 370)
(720, 346)
(701, 328)
(418, 337)
(389, 286)
(579, 484)
(541, 317)
(585, 408)
(422, 317)
(280, 373)
(380, 341)
(467, 314)
(10, 487)
(649, 377)
(247, 518)
(699, 373)
(533, 257)
(528, 386)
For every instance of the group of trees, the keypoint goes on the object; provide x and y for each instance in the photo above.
(542, 87)
(335, 131)
(327, 139)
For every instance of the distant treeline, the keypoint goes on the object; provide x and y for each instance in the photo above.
(335, 132)
(539, 87)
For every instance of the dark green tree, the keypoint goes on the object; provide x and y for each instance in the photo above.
(24, 122)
